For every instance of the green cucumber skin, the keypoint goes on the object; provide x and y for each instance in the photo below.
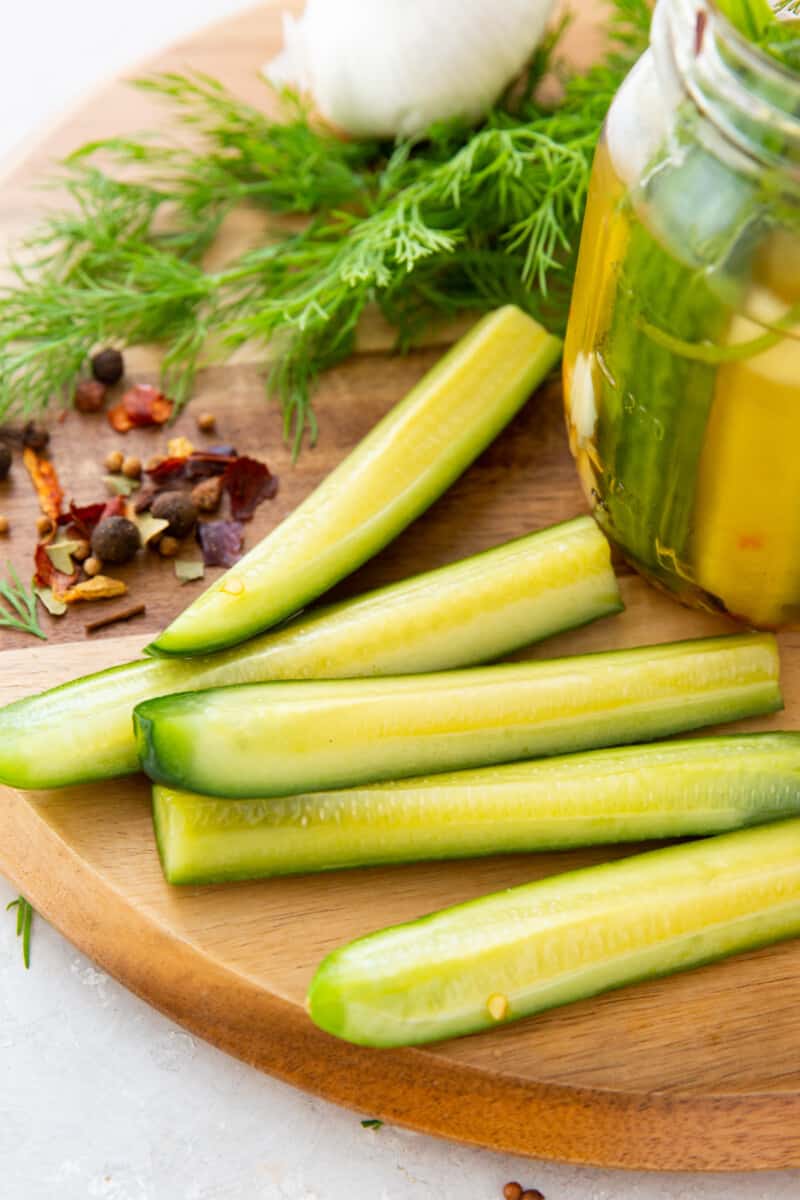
(271, 585)
(285, 738)
(563, 938)
(675, 789)
(474, 610)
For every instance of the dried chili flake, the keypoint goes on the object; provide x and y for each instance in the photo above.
(45, 480)
(170, 471)
(83, 517)
(99, 587)
(205, 463)
(249, 483)
(221, 542)
(140, 406)
(46, 575)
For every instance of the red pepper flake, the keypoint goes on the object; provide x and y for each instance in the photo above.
(221, 542)
(249, 483)
(203, 464)
(45, 480)
(46, 575)
(170, 471)
(83, 517)
(140, 406)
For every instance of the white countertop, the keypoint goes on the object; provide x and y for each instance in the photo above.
(100, 1096)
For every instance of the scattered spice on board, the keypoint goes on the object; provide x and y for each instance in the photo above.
(124, 614)
(371, 1123)
(45, 480)
(221, 542)
(142, 405)
(100, 587)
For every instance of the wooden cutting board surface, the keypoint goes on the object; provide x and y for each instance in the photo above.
(701, 1071)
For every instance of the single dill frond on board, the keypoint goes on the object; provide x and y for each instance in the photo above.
(21, 611)
(460, 219)
(24, 923)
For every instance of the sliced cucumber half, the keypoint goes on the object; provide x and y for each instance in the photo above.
(471, 611)
(564, 938)
(393, 475)
(666, 790)
(277, 739)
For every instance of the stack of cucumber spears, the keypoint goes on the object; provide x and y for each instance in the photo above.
(364, 733)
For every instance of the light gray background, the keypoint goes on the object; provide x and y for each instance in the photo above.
(99, 1095)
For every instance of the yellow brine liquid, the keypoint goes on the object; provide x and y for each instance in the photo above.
(682, 389)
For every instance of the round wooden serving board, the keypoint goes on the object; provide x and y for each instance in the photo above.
(701, 1071)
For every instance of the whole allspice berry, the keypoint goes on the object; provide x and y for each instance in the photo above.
(115, 540)
(90, 396)
(178, 509)
(108, 366)
(5, 460)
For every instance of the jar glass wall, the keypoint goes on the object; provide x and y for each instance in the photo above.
(682, 359)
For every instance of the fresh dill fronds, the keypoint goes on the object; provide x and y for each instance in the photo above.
(22, 603)
(24, 922)
(460, 219)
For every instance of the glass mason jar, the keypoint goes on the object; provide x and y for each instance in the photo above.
(682, 358)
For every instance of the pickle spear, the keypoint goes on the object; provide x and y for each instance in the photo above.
(518, 952)
(393, 475)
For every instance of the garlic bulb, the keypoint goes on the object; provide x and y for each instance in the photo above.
(386, 68)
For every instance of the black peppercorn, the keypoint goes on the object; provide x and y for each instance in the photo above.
(177, 508)
(108, 366)
(115, 540)
(5, 460)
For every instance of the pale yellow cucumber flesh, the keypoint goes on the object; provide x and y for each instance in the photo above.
(393, 475)
(563, 938)
(471, 611)
(283, 738)
(664, 790)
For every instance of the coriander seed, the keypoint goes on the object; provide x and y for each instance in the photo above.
(168, 547)
(114, 461)
(81, 550)
(44, 525)
(93, 565)
(132, 468)
(206, 422)
(512, 1190)
(4, 526)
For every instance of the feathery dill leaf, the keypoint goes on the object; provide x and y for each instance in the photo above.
(24, 922)
(461, 219)
(21, 601)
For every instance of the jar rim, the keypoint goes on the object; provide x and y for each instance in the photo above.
(745, 95)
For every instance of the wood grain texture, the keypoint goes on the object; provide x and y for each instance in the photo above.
(699, 1071)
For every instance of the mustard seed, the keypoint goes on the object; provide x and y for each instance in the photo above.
(206, 422)
(132, 468)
